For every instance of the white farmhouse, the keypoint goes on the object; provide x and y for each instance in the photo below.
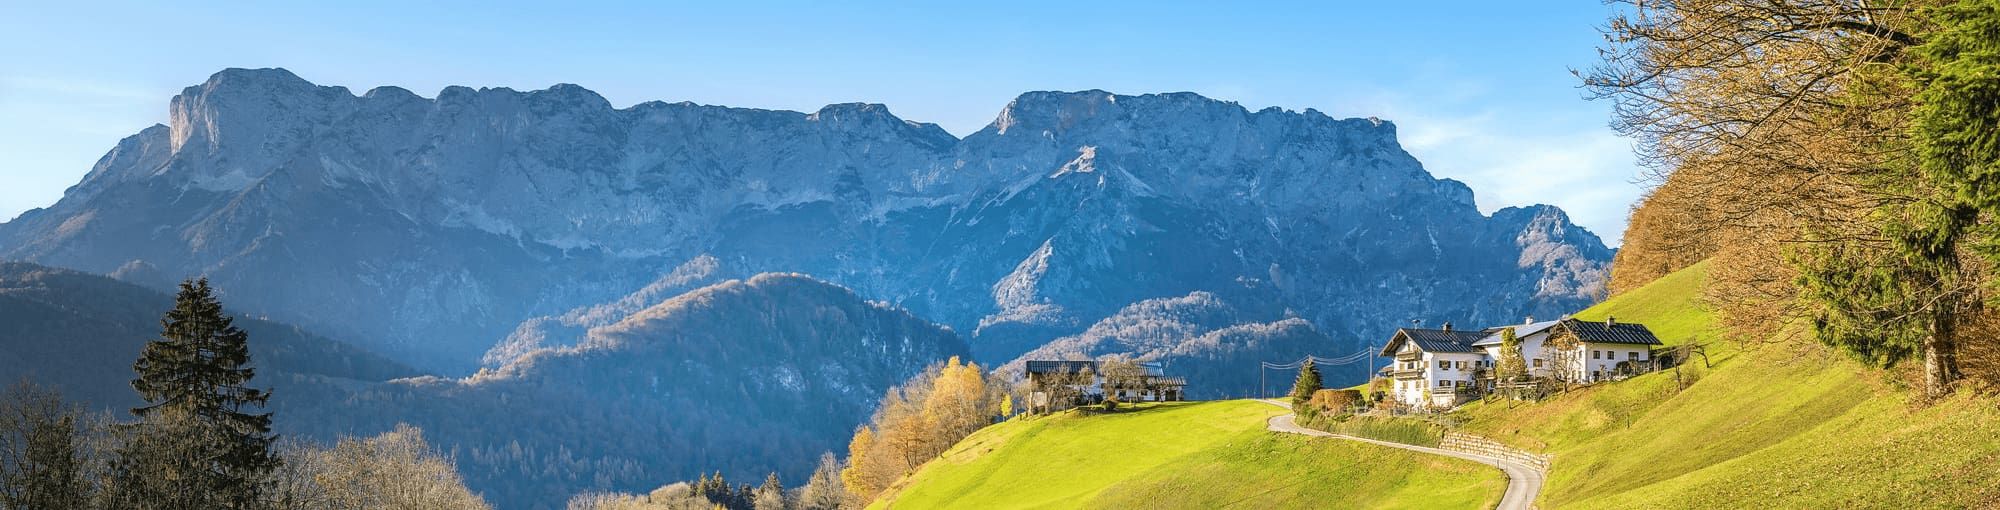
(1442, 367)
(1531, 334)
(1434, 367)
(1597, 351)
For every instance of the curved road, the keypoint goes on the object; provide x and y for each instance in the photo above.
(1524, 482)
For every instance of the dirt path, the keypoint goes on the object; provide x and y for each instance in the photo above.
(1524, 482)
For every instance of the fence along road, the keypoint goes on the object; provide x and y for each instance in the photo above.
(1524, 481)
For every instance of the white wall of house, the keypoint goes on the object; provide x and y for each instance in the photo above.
(1531, 350)
(1597, 361)
(1438, 367)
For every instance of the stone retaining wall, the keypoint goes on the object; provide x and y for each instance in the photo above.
(1468, 443)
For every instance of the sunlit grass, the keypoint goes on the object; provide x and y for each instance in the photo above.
(1780, 426)
(1193, 455)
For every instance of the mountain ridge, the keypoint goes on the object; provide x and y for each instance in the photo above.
(443, 224)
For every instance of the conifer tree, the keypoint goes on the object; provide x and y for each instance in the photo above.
(1303, 388)
(1956, 139)
(197, 419)
(770, 496)
(1906, 297)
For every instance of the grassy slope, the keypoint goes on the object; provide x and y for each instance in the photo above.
(1778, 426)
(1196, 455)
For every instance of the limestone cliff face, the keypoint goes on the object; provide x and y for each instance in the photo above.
(432, 229)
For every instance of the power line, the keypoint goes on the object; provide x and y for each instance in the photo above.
(1263, 388)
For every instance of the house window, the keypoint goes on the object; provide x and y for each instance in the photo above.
(1634, 355)
(1538, 363)
(1444, 383)
(1593, 355)
(1444, 365)
(1461, 365)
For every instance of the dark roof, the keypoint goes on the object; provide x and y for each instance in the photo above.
(1610, 333)
(1435, 340)
(1520, 331)
(1068, 367)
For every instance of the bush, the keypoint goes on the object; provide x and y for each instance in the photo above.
(1110, 403)
(1334, 402)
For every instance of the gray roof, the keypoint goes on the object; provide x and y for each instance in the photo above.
(1068, 367)
(1519, 331)
(1611, 333)
(1435, 340)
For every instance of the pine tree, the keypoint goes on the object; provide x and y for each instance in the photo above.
(1905, 298)
(1956, 141)
(194, 380)
(743, 498)
(1302, 390)
(770, 496)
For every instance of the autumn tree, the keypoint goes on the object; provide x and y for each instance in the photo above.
(917, 421)
(1565, 358)
(394, 470)
(823, 491)
(1829, 158)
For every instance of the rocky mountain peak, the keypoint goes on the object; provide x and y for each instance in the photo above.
(438, 226)
(571, 95)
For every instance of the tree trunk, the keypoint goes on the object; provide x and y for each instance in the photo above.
(1941, 355)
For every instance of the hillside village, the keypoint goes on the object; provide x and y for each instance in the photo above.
(1441, 368)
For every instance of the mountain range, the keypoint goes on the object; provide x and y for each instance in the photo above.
(430, 229)
(642, 293)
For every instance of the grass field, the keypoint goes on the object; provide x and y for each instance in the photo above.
(1187, 455)
(1778, 426)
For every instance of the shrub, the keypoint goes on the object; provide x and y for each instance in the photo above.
(1110, 403)
(1334, 402)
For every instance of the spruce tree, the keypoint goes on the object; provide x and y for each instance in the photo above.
(1956, 141)
(1302, 390)
(194, 380)
(1905, 298)
(770, 496)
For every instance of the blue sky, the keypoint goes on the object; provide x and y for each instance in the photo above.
(1481, 91)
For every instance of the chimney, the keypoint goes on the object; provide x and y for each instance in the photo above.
(1610, 322)
(1447, 325)
(1530, 320)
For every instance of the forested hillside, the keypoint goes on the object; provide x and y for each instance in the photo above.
(79, 333)
(746, 377)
